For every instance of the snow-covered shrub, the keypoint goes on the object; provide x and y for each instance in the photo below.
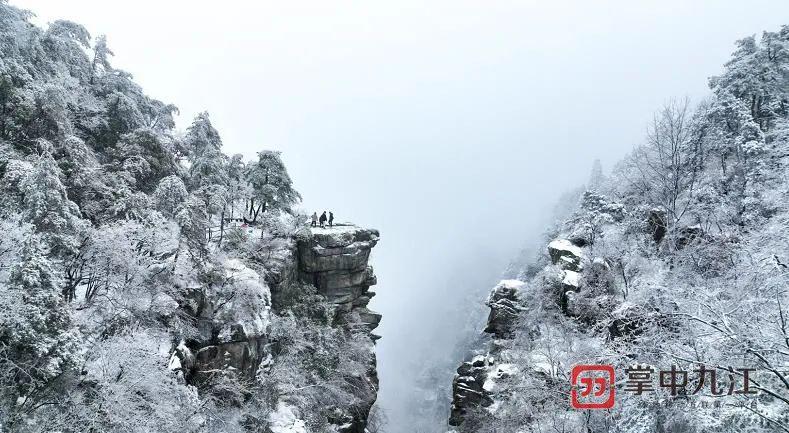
(129, 388)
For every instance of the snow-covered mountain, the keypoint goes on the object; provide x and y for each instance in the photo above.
(151, 283)
(674, 267)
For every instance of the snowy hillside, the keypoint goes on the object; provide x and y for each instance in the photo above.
(674, 268)
(148, 281)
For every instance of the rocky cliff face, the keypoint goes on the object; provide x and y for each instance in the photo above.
(484, 382)
(234, 336)
(610, 302)
(335, 261)
(472, 387)
(468, 388)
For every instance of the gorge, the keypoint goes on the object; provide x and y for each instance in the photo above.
(159, 273)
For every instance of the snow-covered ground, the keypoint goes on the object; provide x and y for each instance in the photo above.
(284, 420)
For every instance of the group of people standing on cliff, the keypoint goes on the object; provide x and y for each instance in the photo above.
(322, 219)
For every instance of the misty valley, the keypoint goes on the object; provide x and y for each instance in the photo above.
(153, 279)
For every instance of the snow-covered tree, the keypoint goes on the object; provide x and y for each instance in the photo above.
(208, 170)
(38, 343)
(47, 207)
(596, 177)
(238, 189)
(202, 135)
(144, 158)
(170, 194)
(756, 75)
(101, 57)
(192, 217)
(665, 169)
(272, 188)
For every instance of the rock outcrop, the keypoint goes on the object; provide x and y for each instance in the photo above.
(232, 324)
(504, 308)
(686, 235)
(335, 261)
(569, 258)
(565, 255)
(475, 384)
(468, 388)
(233, 317)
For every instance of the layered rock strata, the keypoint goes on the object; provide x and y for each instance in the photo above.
(335, 261)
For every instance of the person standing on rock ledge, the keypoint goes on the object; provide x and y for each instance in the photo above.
(331, 219)
(323, 219)
(314, 219)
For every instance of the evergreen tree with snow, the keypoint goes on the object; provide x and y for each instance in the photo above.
(272, 188)
(47, 207)
(208, 170)
(596, 177)
(201, 136)
(169, 195)
(38, 343)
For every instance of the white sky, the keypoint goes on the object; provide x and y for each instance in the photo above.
(450, 125)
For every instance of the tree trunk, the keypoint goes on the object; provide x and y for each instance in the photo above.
(221, 226)
(257, 211)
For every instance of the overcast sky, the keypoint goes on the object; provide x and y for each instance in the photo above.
(449, 125)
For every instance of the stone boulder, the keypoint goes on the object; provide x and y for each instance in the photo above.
(570, 286)
(565, 255)
(505, 307)
(686, 235)
(468, 388)
(571, 281)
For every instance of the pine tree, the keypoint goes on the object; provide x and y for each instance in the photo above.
(201, 135)
(38, 341)
(208, 172)
(271, 184)
(101, 54)
(169, 195)
(596, 177)
(47, 207)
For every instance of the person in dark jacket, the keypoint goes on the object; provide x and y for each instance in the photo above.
(323, 219)
(331, 219)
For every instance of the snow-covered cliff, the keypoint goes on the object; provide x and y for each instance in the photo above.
(335, 260)
(235, 336)
(672, 271)
(148, 281)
